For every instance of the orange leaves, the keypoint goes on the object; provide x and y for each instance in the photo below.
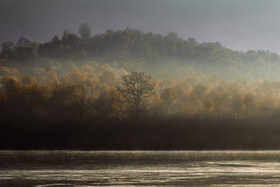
(248, 103)
(93, 86)
(11, 86)
(193, 107)
(74, 78)
(52, 77)
(208, 106)
(4, 71)
(28, 80)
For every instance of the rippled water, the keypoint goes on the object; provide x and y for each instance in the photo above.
(147, 168)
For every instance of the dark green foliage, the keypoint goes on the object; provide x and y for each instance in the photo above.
(134, 44)
(85, 31)
(8, 48)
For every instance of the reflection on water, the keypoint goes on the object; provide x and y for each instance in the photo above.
(90, 170)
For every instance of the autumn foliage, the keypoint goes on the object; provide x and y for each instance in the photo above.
(86, 108)
(80, 93)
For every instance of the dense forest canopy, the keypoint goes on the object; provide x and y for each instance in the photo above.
(141, 51)
(133, 90)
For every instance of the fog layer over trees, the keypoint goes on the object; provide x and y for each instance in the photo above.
(133, 90)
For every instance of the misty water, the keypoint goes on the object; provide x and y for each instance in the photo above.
(147, 168)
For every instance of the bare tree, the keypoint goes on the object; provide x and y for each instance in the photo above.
(135, 88)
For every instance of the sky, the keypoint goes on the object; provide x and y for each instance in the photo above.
(236, 24)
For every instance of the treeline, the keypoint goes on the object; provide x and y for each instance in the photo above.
(130, 45)
(94, 107)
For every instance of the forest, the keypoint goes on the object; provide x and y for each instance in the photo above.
(131, 90)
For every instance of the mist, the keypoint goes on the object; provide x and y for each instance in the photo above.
(127, 89)
(129, 92)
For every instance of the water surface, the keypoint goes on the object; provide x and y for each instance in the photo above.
(146, 168)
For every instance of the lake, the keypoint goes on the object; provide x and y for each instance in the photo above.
(141, 168)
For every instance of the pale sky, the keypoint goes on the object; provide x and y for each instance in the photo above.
(236, 24)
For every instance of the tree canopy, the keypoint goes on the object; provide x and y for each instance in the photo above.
(132, 44)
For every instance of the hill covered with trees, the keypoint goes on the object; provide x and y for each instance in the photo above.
(140, 51)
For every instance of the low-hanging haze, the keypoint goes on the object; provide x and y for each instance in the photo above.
(236, 24)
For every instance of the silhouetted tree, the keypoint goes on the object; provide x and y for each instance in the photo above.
(135, 88)
(55, 40)
(85, 31)
(23, 42)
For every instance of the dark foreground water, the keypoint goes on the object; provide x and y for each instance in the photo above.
(146, 168)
